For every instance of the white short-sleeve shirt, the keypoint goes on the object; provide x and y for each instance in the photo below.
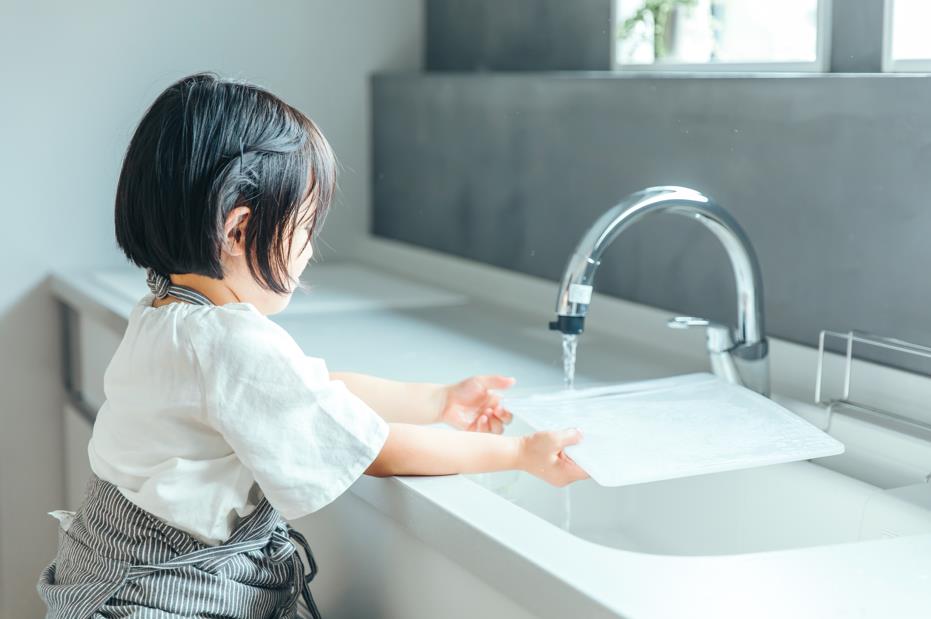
(208, 408)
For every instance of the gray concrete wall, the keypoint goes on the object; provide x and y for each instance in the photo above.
(518, 35)
(830, 176)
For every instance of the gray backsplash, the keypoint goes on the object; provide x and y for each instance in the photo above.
(828, 174)
(518, 35)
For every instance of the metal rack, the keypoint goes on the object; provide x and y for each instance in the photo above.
(845, 404)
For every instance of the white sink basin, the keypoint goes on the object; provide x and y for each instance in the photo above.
(761, 509)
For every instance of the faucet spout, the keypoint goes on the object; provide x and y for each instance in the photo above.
(750, 350)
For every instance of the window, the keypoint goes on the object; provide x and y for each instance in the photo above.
(730, 35)
(906, 44)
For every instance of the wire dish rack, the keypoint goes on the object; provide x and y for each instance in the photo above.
(844, 403)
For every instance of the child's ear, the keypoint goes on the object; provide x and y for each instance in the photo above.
(234, 230)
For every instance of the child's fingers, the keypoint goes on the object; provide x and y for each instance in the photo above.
(495, 381)
(494, 424)
(496, 412)
(503, 414)
(493, 406)
(573, 470)
(488, 421)
(569, 436)
(482, 423)
(576, 472)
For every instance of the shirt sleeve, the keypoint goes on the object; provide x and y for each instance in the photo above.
(304, 437)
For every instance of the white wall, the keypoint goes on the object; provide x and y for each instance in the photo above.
(75, 78)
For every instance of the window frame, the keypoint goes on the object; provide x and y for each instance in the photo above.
(821, 63)
(890, 64)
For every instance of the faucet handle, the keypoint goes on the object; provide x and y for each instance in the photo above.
(684, 322)
(720, 337)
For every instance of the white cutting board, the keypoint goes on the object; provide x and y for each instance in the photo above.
(673, 427)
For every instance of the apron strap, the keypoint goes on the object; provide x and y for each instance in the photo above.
(208, 559)
(302, 580)
(161, 286)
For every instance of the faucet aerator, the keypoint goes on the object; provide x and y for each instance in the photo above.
(569, 325)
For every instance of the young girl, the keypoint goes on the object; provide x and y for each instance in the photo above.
(217, 427)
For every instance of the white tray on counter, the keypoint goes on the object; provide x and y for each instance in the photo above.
(333, 288)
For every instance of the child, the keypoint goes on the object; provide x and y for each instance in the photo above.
(217, 427)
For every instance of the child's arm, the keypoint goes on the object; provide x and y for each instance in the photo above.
(467, 405)
(414, 450)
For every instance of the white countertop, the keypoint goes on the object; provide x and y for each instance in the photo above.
(451, 336)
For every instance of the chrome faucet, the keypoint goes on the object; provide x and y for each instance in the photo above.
(741, 354)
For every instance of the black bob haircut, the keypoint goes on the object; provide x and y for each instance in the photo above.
(206, 145)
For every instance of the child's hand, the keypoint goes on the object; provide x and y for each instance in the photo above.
(542, 455)
(469, 405)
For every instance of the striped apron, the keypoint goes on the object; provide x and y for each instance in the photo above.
(117, 560)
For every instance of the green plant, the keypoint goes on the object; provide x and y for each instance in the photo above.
(658, 12)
